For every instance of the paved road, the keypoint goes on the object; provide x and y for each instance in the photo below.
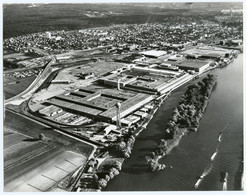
(33, 128)
(18, 99)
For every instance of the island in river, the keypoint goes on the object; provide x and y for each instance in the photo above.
(186, 116)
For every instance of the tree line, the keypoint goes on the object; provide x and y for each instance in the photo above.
(186, 115)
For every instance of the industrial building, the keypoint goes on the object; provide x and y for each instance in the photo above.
(60, 81)
(153, 53)
(196, 65)
(50, 110)
(119, 97)
(150, 80)
(214, 53)
(101, 104)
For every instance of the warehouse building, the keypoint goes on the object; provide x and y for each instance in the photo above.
(50, 110)
(101, 104)
(153, 53)
(149, 80)
(196, 65)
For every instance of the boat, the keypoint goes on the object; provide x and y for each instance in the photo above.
(220, 135)
(225, 177)
(198, 181)
(213, 156)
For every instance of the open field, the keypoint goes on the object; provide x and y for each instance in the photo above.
(43, 177)
(16, 57)
(33, 129)
(14, 86)
(23, 153)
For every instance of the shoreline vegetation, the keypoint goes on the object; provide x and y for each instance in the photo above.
(185, 117)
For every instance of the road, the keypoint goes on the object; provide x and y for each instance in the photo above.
(20, 98)
(27, 126)
(26, 94)
(32, 128)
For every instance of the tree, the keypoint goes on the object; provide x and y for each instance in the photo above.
(201, 84)
(107, 178)
(163, 144)
(197, 86)
(174, 118)
(126, 154)
(111, 175)
(118, 165)
(102, 183)
(121, 145)
(153, 164)
(114, 171)
(205, 81)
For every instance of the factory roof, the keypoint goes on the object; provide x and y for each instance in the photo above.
(207, 51)
(192, 63)
(128, 106)
(49, 109)
(154, 53)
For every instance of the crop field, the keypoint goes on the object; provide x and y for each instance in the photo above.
(45, 176)
(23, 153)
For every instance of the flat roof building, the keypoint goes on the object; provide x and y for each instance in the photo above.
(153, 53)
(196, 65)
(101, 104)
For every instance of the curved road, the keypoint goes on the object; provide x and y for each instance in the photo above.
(18, 99)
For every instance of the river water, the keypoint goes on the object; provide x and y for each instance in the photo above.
(192, 157)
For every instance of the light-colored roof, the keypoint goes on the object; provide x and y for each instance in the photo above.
(154, 53)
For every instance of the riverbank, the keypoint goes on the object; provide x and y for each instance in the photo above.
(186, 116)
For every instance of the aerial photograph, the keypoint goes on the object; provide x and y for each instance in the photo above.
(123, 96)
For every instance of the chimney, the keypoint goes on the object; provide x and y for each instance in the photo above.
(118, 122)
(118, 84)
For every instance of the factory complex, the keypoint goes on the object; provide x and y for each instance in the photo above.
(122, 95)
(119, 95)
(101, 104)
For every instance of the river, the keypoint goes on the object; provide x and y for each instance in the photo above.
(192, 157)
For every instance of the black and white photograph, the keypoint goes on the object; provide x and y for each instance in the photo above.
(122, 96)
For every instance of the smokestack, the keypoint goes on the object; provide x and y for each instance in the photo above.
(118, 123)
(118, 84)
